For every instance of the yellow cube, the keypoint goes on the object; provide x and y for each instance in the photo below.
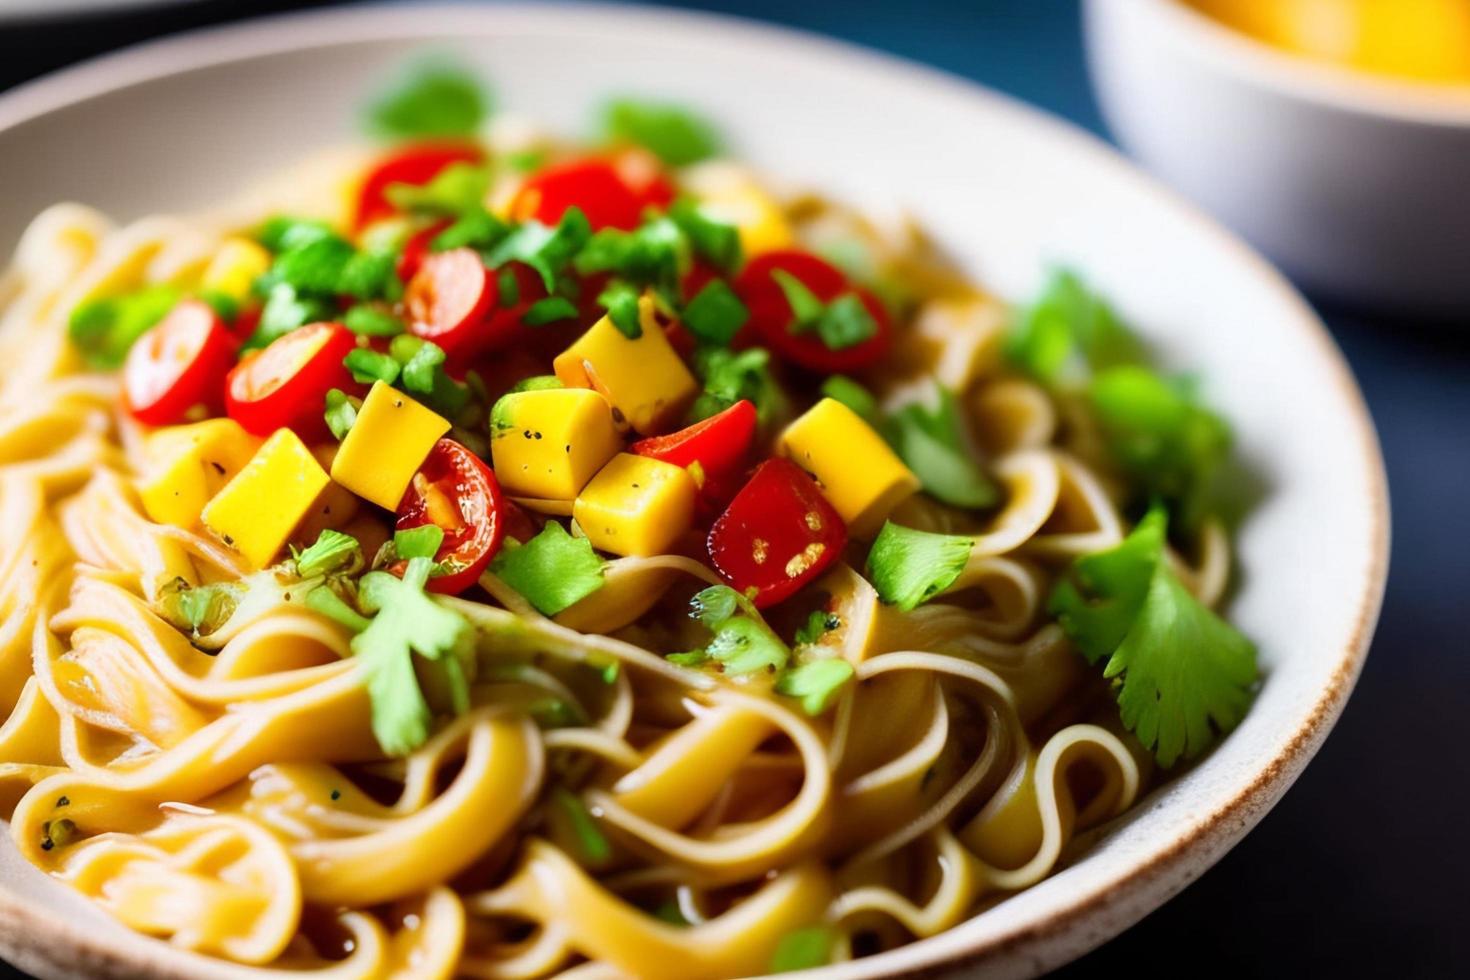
(546, 444)
(636, 506)
(386, 445)
(861, 477)
(644, 378)
(188, 464)
(235, 266)
(257, 510)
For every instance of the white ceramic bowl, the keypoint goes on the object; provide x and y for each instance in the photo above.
(1006, 189)
(1354, 184)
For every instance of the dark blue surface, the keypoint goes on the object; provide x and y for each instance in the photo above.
(1363, 869)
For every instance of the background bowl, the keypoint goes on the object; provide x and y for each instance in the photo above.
(1004, 188)
(1354, 184)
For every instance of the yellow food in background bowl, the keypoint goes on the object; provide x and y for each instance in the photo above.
(1420, 40)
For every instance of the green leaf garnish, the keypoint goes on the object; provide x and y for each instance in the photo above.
(368, 365)
(368, 320)
(654, 254)
(434, 98)
(326, 601)
(846, 322)
(806, 308)
(803, 949)
(549, 310)
(931, 443)
(621, 302)
(730, 376)
(370, 275)
(418, 542)
(225, 306)
(818, 623)
(815, 683)
(841, 388)
(1182, 675)
(715, 241)
(103, 330)
(458, 189)
(742, 641)
(475, 228)
(341, 413)
(546, 249)
(283, 232)
(1068, 332)
(407, 622)
(716, 315)
(909, 567)
(552, 571)
(591, 841)
(286, 309)
(332, 552)
(675, 135)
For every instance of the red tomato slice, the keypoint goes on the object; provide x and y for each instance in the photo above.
(286, 384)
(413, 165)
(456, 491)
(778, 534)
(593, 185)
(448, 299)
(180, 363)
(416, 248)
(770, 313)
(719, 444)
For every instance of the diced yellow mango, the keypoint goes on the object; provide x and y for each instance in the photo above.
(644, 378)
(188, 464)
(235, 266)
(257, 510)
(547, 444)
(757, 218)
(386, 445)
(861, 477)
(636, 505)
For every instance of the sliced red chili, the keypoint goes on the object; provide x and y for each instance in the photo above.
(285, 385)
(777, 535)
(413, 165)
(771, 316)
(178, 364)
(449, 299)
(455, 491)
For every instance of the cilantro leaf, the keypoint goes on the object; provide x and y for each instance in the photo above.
(1182, 674)
(715, 315)
(418, 542)
(552, 571)
(341, 413)
(806, 308)
(621, 302)
(313, 267)
(103, 330)
(802, 949)
(370, 274)
(675, 135)
(474, 228)
(841, 388)
(909, 567)
(367, 320)
(367, 366)
(283, 232)
(434, 98)
(846, 322)
(815, 683)
(332, 552)
(932, 444)
(423, 375)
(407, 622)
(1068, 331)
(458, 189)
(1169, 446)
(654, 254)
(549, 310)
(817, 625)
(730, 376)
(715, 241)
(544, 248)
(741, 640)
(286, 309)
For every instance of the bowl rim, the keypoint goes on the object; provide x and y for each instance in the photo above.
(1109, 905)
(1331, 86)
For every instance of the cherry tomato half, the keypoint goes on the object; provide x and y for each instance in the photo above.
(770, 313)
(448, 300)
(180, 363)
(778, 534)
(594, 185)
(285, 385)
(414, 165)
(416, 249)
(455, 491)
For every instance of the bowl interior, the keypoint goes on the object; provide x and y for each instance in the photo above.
(1006, 190)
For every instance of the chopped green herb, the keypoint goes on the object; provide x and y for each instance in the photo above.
(1068, 332)
(621, 302)
(675, 135)
(932, 444)
(408, 621)
(225, 306)
(370, 275)
(815, 684)
(909, 567)
(286, 309)
(313, 267)
(716, 315)
(548, 250)
(803, 949)
(434, 98)
(537, 382)
(730, 376)
(418, 542)
(324, 600)
(458, 189)
(655, 254)
(282, 232)
(1182, 675)
(509, 288)
(590, 840)
(525, 161)
(332, 552)
(423, 375)
(818, 623)
(843, 389)
(741, 641)
(552, 571)
(549, 310)
(103, 330)
(368, 365)
(367, 320)
(476, 228)
(341, 413)
(715, 241)
(806, 308)
(846, 322)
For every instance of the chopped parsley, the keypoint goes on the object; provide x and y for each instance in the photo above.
(841, 388)
(844, 322)
(549, 310)
(474, 228)
(621, 302)
(672, 133)
(371, 320)
(331, 553)
(1181, 674)
(655, 254)
(286, 309)
(715, 315)
(544, 248)
(730, 376)
(458, 189)
(1068, 332)
(435, 98)
(552, 571)
(740, 639)
(103, 330)
(909, 567)
(815, 683)
(341, 413)
(418, 542)
(715, 241)
(368, 365)
(932, 444)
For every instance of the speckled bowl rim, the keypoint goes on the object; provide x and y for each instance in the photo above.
(1090, 916)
